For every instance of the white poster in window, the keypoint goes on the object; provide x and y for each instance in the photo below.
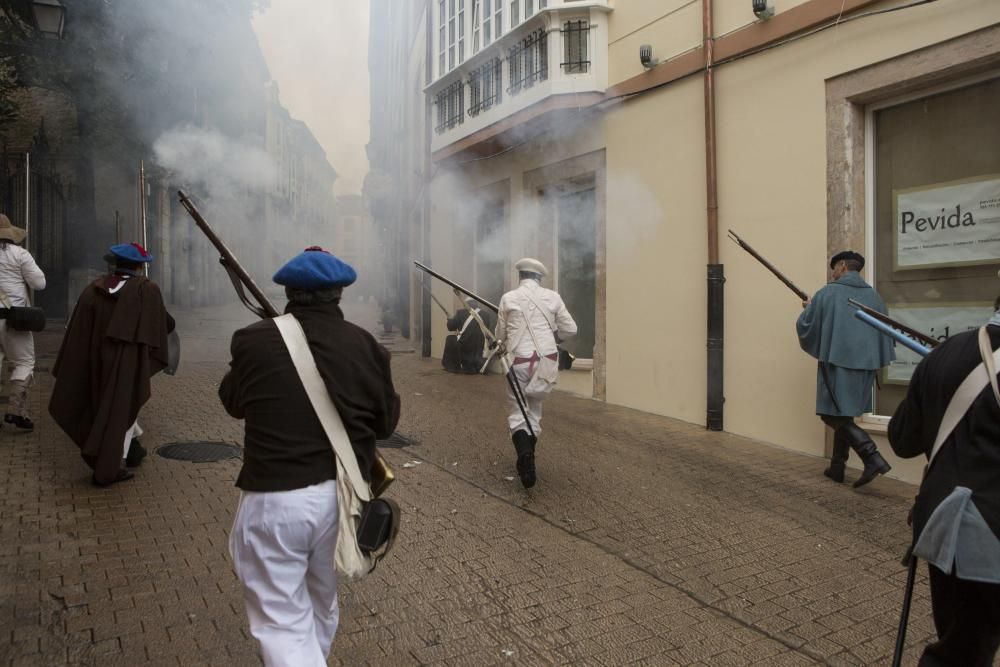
(939, 322)
(948, 224)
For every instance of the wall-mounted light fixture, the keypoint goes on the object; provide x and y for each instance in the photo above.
(50, 17)
(646, 57)
(763, 9)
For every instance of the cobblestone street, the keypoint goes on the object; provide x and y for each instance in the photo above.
(646, 540)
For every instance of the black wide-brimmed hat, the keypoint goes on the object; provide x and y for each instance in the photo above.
(847, 256)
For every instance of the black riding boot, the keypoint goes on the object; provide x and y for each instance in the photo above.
(863, 445)
(838, 459)
(525, 446)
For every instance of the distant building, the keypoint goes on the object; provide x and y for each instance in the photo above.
(356, 242)
(395, 189)
(151, 68)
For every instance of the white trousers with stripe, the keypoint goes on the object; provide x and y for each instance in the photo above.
(282, 545)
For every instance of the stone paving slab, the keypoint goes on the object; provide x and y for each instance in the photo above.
(647, 541)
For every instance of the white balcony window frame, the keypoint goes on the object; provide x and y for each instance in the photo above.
(452, 34)
(476, 26)
(442, 41)
(461, 31)
(498, 31)
(487, 22)
(515, 13)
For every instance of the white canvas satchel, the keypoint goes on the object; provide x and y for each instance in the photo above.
(352, 490)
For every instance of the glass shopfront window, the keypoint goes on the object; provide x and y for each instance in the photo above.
(936, 209)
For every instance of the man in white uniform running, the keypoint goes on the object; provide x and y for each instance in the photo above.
(530, 319)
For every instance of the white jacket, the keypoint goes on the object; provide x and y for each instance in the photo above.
(518, 311)
(18, 272)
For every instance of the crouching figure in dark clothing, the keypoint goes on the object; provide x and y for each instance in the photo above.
(285, 532)
(467, 350)
(956, 517)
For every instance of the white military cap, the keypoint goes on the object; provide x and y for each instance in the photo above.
(531, 265)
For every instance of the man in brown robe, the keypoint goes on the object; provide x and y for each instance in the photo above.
(116, 341)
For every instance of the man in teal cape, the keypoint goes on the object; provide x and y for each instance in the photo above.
(849, 353)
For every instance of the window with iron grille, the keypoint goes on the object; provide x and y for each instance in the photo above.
(450, 106)
(528, 61)
(485, 86)
(575, 36)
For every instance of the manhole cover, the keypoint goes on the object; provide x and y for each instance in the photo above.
(200, 452)
(396, 441)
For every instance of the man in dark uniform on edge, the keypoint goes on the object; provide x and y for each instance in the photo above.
(956, 517)
(849, 353)
(285, 532)
(115, 342)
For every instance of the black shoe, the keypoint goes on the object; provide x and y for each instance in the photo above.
(136, 453)
(20, 422)
(122, 476)
(864, 447)
(526, 469)
(835, 472)
(875, 465)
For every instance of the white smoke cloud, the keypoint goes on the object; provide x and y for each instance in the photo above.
(221, 164)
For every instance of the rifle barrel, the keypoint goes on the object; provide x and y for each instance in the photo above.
(921, 337)
(227, 256)
(900, 338)
(767, 265)
(461, 289)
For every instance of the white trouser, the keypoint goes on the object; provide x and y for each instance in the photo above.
(19, 349)
(282, 545)
(533, 406)
(134, 431)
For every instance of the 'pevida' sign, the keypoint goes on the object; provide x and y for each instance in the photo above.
(948, 224)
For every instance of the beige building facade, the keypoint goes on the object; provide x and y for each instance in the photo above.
(837, 124)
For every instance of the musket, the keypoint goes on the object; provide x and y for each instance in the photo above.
(427, 269)
(767, 265)
(142, 213)
(237, 274)
(435, 300)
(920, 337)
(900, 338)
(512, 381)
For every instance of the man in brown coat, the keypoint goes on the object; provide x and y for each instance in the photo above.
(115, 342)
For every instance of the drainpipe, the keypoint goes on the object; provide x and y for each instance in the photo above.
(425, 303)
(716, 272)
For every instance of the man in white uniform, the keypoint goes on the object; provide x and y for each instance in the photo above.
(529, 320)
(18, 272)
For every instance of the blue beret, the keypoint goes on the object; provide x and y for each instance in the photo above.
(131, 252)
(315, 269)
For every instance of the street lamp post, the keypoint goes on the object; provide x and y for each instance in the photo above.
(50, 17)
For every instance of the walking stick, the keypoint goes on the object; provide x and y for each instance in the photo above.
(904, 614)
